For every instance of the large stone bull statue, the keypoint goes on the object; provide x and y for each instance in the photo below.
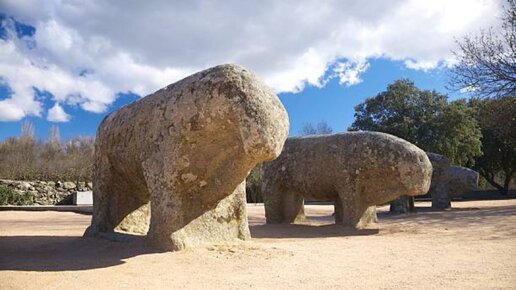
(356, 170)
(187, 149)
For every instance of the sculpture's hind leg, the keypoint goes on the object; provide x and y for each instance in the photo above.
(179, 220)
(349, 211)
(272, 203)
(293, 209)
(367, 217)
(338, 210)
(102, 187)
(282, 206)
(114, 198)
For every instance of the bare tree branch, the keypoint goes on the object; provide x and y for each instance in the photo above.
(487, 62)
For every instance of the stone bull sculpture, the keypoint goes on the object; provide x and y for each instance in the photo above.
(187, 149)
(455, 180)
(356, 170)
(462, 180)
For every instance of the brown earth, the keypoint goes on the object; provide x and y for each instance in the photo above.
(472, 246)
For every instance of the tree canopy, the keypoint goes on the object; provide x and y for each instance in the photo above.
(424, 118)
(497, 119)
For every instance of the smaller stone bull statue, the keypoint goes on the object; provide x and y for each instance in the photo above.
(356, 170)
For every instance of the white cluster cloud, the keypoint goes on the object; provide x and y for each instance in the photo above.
(85, 52)
(349, 72)
(57, 114)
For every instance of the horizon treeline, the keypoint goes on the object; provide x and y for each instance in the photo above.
(25, 158)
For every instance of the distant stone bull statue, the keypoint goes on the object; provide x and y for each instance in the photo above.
(356, 170)
(439, 185)
(447, 181)
(462, 180)
(187, 149)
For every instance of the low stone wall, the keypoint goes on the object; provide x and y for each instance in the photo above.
(48, 192)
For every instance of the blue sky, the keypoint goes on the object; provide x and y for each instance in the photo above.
(72, 62)
(335, 103)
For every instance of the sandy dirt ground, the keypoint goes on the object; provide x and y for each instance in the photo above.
(472, 246)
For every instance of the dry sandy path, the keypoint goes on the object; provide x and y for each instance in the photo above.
(470, 247)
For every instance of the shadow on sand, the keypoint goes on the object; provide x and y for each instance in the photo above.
(470, 214)
(288, 231)
(63, 253)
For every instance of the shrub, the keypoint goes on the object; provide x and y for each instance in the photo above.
(24, 158)
(10, 197)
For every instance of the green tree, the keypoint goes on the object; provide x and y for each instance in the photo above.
(402, 110)
(497, 119)
(456, 134)
(424, 118)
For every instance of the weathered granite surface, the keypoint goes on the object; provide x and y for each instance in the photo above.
(461, 180)
(187, 150)
(439, 186)
(357, 170)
